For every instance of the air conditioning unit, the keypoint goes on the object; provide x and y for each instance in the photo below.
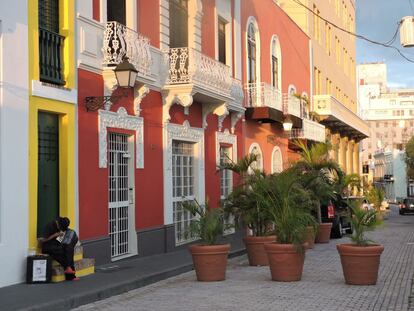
(407, 31)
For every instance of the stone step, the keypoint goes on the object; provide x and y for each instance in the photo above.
(83, 267)
(77, 256)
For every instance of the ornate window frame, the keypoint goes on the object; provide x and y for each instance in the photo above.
(226, 138)
(121, 120)
(275, 50)
(252, 20)
(185, 133)
(276, 149)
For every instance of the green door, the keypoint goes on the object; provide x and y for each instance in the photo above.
(48, 169)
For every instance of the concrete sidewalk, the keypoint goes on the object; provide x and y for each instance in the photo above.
(109, 280)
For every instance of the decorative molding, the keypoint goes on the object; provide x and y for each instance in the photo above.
(110, 84)
(235, 117)
(139, 93)
(188, 134)
(218, 109)
(259, 152)
(50, 91)
(121, 120)
(229, 139)
(183, 97)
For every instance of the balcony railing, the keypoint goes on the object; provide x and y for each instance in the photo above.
(236, 91)
(120, 41)
(263, 95)
(328, 106)
(188, 66)
(50, 56)
(292, 105)
(311, 130)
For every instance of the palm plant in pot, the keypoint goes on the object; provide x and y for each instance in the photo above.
(318, 173)
(360, 260)
(209, 258)
(245, 204)
(289, 203)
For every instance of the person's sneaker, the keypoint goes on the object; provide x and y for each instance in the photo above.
(69, 270)
(76, 279)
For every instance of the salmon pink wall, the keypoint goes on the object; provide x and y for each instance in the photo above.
(96, 10)
(258, 133)
(93, 181)
(294, 44)
(149, 20)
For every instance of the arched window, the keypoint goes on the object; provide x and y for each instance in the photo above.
(277, 160)
(255, 149)
(291, 90)
(253, 51)
(276, 63)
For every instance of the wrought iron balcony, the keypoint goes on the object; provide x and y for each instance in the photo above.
(188, 66)
(310, 130)
(119, 41)
(50, 57)
(338, 117)
(263, 95)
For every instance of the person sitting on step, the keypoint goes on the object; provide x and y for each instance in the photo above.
(59, 242)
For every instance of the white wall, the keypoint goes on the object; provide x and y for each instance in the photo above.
(13, 141)
(400, 177)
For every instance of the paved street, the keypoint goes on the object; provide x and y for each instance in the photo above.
(322, 286)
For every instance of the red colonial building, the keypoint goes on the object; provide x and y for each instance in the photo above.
(215, 80)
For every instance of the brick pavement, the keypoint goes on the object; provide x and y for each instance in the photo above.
(322, 286)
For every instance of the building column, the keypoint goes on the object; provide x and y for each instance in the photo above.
(350, 157)
(343, 146)
(356, 159)
(334, 153)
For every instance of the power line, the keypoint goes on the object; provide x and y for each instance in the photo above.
(384, 44)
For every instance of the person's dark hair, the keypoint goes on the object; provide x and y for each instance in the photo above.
(63, 223)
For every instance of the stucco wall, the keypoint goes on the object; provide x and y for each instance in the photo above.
(13, 141)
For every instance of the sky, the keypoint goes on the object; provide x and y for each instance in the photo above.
(377, 20)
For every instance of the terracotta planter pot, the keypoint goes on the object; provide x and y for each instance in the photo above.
(310, 237)
(210, 261)
(324, 233)
(255, 249)
(360, 264)
(285, 262)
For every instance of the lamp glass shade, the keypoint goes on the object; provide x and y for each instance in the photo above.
(125, 74)
(287, 125)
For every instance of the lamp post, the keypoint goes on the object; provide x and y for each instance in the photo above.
(126, 75)
(287, 124)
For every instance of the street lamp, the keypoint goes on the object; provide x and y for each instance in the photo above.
(126, 75)
(287, 124)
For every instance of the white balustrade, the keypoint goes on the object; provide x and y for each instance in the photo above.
(310, 130)
(292, 105)
(236, 91)
(187, 65)
(120, 41)
(327, 105)
(263, 95)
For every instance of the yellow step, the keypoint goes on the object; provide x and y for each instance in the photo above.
(83, 267)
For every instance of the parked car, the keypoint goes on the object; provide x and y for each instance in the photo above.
(407, 206)
(338, 212)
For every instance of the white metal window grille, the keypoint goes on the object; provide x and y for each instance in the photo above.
(118, 194)
(226, 185)
(183, 168)
(277, 162)
(258, 164)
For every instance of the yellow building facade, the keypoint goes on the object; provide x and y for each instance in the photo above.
(52, 111)
(334, 72)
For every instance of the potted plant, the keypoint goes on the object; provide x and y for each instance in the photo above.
(318, 174)
(360, 260)
(245, 204)
(209, 258)
(288, 201)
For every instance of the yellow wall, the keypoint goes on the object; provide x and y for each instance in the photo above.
(66, 112)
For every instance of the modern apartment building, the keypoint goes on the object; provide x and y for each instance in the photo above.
(334, 73)
(389, 113)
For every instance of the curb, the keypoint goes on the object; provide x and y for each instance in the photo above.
(117, 289)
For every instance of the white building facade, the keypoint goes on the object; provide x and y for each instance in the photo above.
(14, 104)
(388, 112)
